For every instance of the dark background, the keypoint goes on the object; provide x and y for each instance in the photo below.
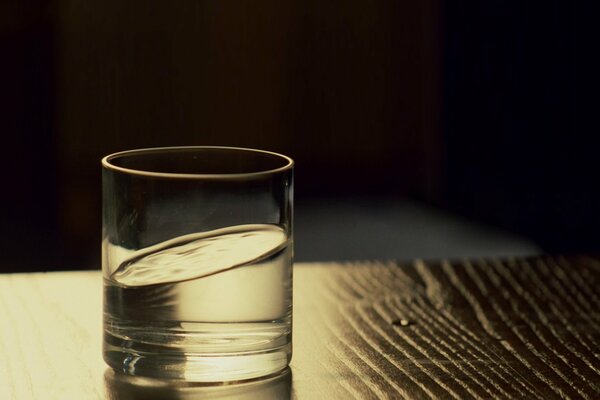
(467, 106)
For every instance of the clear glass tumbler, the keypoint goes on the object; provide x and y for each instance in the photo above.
(197, 256)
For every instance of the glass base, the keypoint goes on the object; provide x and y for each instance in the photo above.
(119, 386)
(193, 366)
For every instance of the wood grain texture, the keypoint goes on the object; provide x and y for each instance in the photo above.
(478, 329)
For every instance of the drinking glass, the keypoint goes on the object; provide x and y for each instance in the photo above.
(197, 256)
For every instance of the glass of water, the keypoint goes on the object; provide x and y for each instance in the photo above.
(197, 262)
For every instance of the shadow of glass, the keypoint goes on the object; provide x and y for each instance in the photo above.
(125, 387)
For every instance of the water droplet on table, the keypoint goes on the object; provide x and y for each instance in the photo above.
(402, 322)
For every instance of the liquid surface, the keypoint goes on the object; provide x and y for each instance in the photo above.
(200, 254)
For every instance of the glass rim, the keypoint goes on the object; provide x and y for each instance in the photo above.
(107, 164)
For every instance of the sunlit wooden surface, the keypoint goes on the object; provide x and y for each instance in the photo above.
(523, 328)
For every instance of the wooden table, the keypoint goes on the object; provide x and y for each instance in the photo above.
(516, 328)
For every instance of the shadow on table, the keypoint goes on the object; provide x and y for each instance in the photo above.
(125, 387)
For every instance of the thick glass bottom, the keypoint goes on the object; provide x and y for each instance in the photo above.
(141, 358)
(119, 386)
